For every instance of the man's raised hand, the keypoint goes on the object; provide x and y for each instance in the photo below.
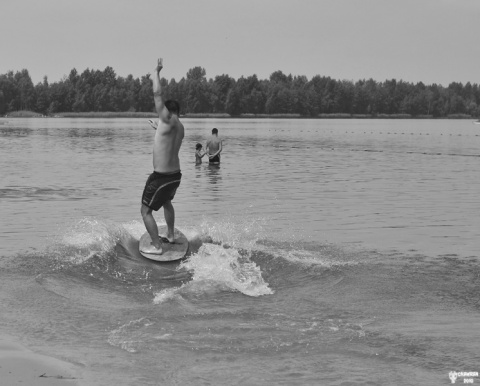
(159, 64)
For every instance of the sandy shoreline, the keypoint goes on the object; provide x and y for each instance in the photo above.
(18, 365)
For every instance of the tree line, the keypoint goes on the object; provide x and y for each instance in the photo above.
(101, 91)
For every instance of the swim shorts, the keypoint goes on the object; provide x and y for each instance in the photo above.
(160, 188)
(215, 159)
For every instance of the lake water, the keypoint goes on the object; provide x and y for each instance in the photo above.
(323, 252)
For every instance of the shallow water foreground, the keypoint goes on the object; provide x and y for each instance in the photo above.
(323, 252)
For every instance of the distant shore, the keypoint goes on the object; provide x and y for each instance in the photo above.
(130, 114)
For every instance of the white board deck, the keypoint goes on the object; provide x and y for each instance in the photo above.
(171, 252)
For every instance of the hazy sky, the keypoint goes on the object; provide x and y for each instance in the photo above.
(434, 41)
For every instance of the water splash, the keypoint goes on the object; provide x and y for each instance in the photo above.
(86, 238)
(234, 231)
(129, 336)
(166, 295)
(228, 269)
(215, 269)
(322, 258)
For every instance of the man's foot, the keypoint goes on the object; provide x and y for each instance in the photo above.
(152, 250)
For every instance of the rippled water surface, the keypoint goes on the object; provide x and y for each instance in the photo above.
(322, 251)
(391, 184)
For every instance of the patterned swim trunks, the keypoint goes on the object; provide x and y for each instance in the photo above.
(160, 188)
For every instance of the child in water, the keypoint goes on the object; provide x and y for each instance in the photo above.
(198, 154)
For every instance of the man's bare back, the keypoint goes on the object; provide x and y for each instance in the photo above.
(213, 144)
(168, 140)
(214, 147)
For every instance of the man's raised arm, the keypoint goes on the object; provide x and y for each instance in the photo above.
(158, 93)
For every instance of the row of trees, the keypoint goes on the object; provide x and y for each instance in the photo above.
(95, 90)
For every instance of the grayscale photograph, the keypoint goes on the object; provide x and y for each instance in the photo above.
(239, 192)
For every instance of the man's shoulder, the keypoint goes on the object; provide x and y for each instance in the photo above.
(175, 123)
(175, 120)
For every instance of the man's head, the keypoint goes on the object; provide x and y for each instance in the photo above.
(198, 146)
(173, 107)
(214, 131)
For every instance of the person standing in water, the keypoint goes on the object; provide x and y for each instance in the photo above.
(162, 184)
(198, 154)
(214, 148)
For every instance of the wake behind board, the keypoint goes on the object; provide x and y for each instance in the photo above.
(171, 252)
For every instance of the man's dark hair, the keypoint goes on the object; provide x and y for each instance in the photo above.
(173, 106)
(214, 131)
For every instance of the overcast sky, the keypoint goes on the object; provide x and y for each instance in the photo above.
(434, 41)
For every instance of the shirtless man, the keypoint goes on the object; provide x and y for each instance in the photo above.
(214, 148)
(164, 181)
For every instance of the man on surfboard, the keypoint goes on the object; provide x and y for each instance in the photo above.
(162, 184)
(214, 148)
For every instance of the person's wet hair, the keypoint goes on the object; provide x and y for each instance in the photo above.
(214, 131)
(198, 146)
(173, 106)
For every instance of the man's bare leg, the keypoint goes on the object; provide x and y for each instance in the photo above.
(169, 213)
(152, 228)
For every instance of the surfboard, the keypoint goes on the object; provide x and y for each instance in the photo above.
(171, 252)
